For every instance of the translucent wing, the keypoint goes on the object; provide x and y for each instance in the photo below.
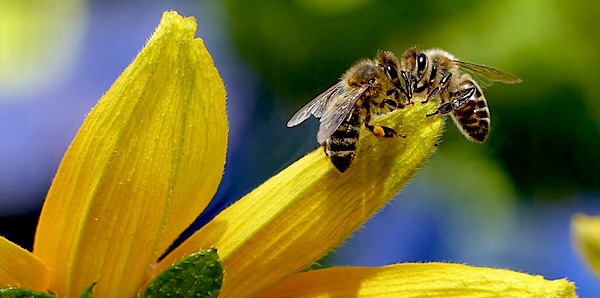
(338, 110)
(316, 106)
(487, 75)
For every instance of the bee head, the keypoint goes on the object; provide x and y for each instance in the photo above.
(414, 65)
(389, 63)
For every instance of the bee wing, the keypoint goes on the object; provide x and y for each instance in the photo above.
(338, 110)
(316, 106)
(487, 75)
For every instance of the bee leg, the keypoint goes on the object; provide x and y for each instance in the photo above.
(378, 130)
(391, 103)
(432, 77)
(402, 103)
(422, 88)
(406, 96)
(441, 86)
(324, 145)
(460, 98)
(456, 103)
(397, 93)
(408, 91)
(401, 92)
(383, 131)
(443, 109)
(434, 92)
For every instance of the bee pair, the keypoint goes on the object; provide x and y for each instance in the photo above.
(374, 87)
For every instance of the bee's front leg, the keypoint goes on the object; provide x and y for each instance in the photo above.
(408, 91)
(443, 109)
(390, 104)
(394, 100)
(441, 86)
(456, 102)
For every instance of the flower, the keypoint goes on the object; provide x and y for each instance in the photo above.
(146, 161)
(585, 231)
(149, 158)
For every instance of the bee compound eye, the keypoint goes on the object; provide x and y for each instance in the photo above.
(421, 62)
(391, 70)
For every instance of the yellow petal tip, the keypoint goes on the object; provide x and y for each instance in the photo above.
(585, 232)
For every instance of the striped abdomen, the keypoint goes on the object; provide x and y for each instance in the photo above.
(473, 118)
(341, 145)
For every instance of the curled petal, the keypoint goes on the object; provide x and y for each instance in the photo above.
(306, 210)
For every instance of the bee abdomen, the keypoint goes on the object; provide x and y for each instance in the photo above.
(342, 159)
(341, 146)
(474, 119)
(341, 151)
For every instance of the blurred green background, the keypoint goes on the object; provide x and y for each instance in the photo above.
(506, 203)
(545, 130)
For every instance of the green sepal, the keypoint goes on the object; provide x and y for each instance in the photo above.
(14, 292)
(88, 292)
(198, 275)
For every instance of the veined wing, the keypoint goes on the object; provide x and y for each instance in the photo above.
(338, 110)
(317, 105)
(486, 75)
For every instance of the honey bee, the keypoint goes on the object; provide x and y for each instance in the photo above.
(435, 72)
(370, 87)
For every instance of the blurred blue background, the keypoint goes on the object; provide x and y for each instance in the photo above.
(506, 203)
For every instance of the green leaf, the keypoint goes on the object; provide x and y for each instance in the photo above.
(198, 275)
(23, 293)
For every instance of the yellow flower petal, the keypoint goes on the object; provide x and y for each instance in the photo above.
(145, 163)
(309, 208)
(585, 231)
(20, 268)
(419, 280)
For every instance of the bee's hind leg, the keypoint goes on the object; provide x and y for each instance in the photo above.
(383, 131)
(378, 130)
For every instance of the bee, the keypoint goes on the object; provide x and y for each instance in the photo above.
(369, 87)
(436, 73)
